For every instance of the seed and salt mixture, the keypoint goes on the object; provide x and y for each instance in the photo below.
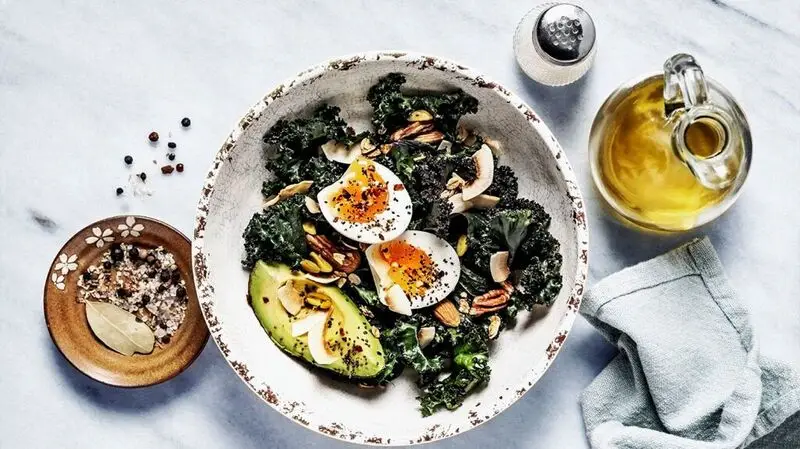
(145, 282)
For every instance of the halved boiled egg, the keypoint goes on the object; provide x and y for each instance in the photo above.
(368, 204)
(415, 270)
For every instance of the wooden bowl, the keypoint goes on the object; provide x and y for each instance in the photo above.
(66, 317)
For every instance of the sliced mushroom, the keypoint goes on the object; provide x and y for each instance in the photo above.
(316, 342)
(290, 298)
(484, 162)
(327, 279)
(312, 205)
(304, 325)
(481, 201)
(288, 192)
(484, 201)
(498, 266)
(425, 336)
(339, 152)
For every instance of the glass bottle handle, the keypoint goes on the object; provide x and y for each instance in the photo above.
(686, 103)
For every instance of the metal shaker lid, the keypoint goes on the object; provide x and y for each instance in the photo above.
(564, 34)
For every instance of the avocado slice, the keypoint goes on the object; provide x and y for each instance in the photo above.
(348, 334)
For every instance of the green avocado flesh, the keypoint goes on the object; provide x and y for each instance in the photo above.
(347, 333)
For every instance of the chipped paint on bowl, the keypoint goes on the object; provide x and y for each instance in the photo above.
(231, 194)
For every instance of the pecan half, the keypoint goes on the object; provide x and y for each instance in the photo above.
(341, 258)
(447, 313)
(431, 137)
(490, 302)
(414, 129)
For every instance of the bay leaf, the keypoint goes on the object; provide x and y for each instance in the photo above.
(118, 329)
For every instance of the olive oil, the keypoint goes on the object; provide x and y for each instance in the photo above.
(638, 168)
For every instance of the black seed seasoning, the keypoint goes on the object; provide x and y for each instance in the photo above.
(165, 275)
(172, 145)
(107, 265)
(153, 136)
(119, 191)
(180, 292)
(143, 176)
(128, 160)
(171, 156)
(176, 276)
(186, 122)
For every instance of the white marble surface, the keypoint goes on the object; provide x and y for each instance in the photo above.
(81, 85)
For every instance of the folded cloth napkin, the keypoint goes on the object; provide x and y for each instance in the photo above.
(688, 374)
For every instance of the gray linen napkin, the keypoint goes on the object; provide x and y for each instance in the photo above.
(689, 374)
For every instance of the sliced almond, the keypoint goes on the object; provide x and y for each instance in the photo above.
(288, 192)
(290, 298)
(498, 266)
(397, 301)
(339, 152)
(312, 205)
(494, 326)
(367, 146)
(425, 336)
(484, 162)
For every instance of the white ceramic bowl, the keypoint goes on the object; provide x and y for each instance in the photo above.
(231, 195)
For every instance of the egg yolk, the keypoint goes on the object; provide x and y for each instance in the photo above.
(409, 267)
(364, 195)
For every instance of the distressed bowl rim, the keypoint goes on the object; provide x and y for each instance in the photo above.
(206, 290)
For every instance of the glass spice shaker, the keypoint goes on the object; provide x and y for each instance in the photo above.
(555, 43)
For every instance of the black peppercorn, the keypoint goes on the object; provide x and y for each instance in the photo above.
(133, 253)
(143, 176)
(165, 339)
(151, 259)
(151, 274)
(171, 156)
(117, 255)
(107, 265)
(145, 299)
(165, 276)
(186, 122)
(175, 276)
(119, 191)
(180, 292)
(123, 293)
(153, 136)
(179, 167)
(128, 160)
(172, 145)
(87, 276)
(161, 288)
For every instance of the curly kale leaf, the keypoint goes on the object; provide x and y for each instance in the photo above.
(470, 369)
(473, 283)
(424, 171)
(403, 337)
(505, 185)
(300, 137)
(482, 241)
(276, 234)
(392, 107)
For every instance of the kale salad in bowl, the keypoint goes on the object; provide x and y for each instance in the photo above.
(410, 241)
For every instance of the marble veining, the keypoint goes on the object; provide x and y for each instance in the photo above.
(83, 83)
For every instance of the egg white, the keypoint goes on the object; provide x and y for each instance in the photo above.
(442, 255)
(386, 225)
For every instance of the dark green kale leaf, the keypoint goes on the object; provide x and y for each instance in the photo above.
(473, 283)
(403, 337)
(301, 137)
(392, 107)
(505, 185)
(470, 369)
(276, 234)
(464, 166)
(482, 241)
(322, 171)
(437, 220)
